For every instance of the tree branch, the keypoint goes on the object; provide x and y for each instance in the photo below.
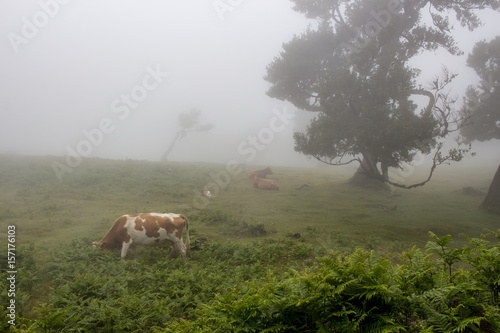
(435, 163)
(336, 163)
(455, 155)
(432, 99)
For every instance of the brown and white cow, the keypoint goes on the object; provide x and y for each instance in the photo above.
(128, 231)
(260, 173)
(205, 193)
(264, 184)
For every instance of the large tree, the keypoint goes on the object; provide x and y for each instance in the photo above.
(482, 107)
(352, 69)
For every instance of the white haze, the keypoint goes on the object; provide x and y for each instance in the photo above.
(71, 75)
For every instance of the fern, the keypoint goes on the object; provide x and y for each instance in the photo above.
(222, 289)
(473, 323)
(485, 258)
(448, 256)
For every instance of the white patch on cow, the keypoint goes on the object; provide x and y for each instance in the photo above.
(172, 215)
(158, 214)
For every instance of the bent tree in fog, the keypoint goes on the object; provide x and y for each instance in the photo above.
(189, 122)
(482, 107)
(353, 71)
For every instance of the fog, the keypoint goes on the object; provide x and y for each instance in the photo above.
(110, 78)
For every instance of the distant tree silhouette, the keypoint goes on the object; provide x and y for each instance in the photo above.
(188, 122)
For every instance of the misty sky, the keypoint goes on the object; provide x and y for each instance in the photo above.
(130, 67)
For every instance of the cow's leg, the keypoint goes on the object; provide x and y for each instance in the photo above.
(173, 252)
(178, 245)
(133, 249)
(125, 247)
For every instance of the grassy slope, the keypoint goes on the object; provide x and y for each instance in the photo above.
(329, 213)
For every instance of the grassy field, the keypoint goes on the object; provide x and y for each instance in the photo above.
(63, 283)
(328, 213)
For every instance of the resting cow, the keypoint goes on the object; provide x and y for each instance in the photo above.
(260, 173)
(205, 193)
(264, 184)
(128, 231)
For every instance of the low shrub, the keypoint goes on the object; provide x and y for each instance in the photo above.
(233, 225)
(365, 292)
(94, 290)
(268, 286)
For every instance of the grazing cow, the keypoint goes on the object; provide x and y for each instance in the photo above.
(128, 231)
(264, 184)
(260, 173)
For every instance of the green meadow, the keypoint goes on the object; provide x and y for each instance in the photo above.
(257, 234)
(328, 211)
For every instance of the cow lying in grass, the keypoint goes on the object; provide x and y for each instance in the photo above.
(205, 193)
(264, 184)
(260, 173)
(128, 231)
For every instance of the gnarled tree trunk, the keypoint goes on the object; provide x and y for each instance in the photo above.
(164, 157)
(492, 201)
(368, 175)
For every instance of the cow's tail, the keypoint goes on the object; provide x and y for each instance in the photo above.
(187, 244)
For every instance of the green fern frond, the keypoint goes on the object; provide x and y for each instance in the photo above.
(472, 323)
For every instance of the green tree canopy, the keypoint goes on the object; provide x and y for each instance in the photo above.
(482, 103)
(482, 108)
(352, 70)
